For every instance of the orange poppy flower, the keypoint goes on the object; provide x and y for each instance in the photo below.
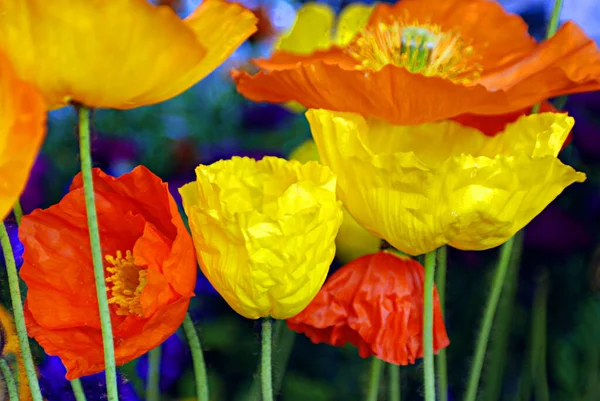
(22, 131)
(424, 60)
(376, 304)
(150, 270)
(118, 54)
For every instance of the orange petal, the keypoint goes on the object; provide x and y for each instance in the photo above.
(180, 267)
(567, 63)
(392, 93)
(22, 131)
(121, 53)
(497, 36)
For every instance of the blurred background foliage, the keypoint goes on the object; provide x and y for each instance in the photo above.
(553, 325)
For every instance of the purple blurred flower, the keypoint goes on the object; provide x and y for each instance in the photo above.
(175, 358)
(17, 246)
(55, 387)
(585, 108)
(35, 192)
(261, 117)
(115, 156)
(556, 231)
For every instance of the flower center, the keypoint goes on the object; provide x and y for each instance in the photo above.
(126, 282)
(423, 49)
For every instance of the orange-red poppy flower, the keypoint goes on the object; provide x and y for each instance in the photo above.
(118, 54)
(22, 131)
(150, 270)
(426, 60)
(376, 304)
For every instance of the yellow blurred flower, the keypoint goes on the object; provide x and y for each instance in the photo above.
(420, 187)
(352, 240)
(8, 334)
(264, 231)
(117, 54)
(315, 27)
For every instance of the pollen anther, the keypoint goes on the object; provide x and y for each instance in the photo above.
(420, 48)
(126, 282)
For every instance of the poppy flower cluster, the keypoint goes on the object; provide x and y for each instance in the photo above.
(417, 114)
(418, 108)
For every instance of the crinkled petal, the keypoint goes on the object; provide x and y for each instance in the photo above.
(569, 62)
(352, 240)
(376, 304)
(425, 186)
(264, 231)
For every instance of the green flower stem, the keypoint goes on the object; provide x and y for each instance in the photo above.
(550, 31)
(488, 318)
(90, 207)
(539, 327)
(394, 382)
(15, 295)
(78, 390)
(374, 379)
(499, 339)
(18, 211)
(197, 359)
(428, 363)
(283, 344)
(11, 386)
(265, 361)
(441, 364)
(153, 383)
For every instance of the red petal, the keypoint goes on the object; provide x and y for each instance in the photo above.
(376, 304)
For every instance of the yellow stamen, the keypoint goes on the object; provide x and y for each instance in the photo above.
(126, 282)
(420, 48)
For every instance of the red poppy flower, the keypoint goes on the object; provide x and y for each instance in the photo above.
(150, 270)
(376, 304)
(426, 60)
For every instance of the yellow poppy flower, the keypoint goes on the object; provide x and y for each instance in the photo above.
(117, 54)
(264, 231)
(315, 27)
(420, 187)
(352, 240)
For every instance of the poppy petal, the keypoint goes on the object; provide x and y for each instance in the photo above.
(22, 131)
(392, 93)
(376, 304)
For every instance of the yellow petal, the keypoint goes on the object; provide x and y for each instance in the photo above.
(264, 231)
(421, 187)
(311, 31)
(112, 54)
(352, 19)
(352, 240)
(22, 131)
(221, 27)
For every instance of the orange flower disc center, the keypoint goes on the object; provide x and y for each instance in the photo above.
(423, 49)
(126, 282)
